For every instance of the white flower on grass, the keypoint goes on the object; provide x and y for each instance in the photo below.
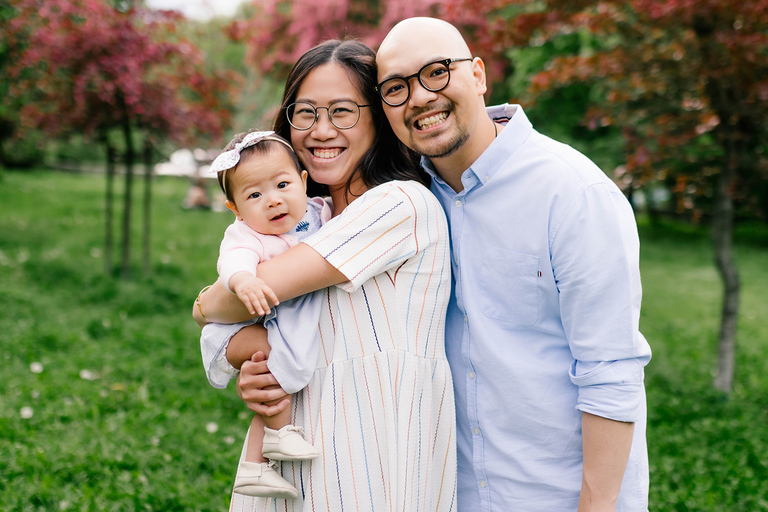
(36, 367)
(95, 252)
(35, 393)
(88, 375)
(26, 412)
(211, 427)
(165, 259)
(155, 441)
(229, 439)
(63, 505)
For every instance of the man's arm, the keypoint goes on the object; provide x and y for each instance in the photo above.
(606, 444)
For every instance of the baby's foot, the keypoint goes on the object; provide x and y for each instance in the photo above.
(288, 443)
(261, 479)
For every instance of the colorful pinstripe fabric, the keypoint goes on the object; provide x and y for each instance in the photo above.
(380, 405)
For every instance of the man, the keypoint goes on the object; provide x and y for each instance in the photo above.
(542, 330)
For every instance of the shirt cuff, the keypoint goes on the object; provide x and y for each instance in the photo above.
(611, 389)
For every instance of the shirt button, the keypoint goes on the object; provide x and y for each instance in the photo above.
(458, 203)
(471, 375)
(476, 431)
(483, 484)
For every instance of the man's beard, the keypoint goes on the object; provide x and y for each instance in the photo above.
(445, 149)
(442, 150)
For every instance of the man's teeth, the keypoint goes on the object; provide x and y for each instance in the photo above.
(431, 121)
(326, 153)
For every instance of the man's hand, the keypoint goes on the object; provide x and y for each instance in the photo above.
(253, 293)
(259, 389)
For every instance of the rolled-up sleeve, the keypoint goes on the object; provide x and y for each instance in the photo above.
(611, 389)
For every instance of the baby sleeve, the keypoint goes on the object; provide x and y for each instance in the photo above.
(239, 252)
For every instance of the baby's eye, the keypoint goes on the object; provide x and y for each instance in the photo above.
(255, 195)
(282, 184)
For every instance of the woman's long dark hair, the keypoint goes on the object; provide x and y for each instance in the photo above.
(387, 159)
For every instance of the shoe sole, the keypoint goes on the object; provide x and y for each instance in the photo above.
(260, 491)
(285, 456)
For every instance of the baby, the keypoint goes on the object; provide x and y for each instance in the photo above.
(266, 190)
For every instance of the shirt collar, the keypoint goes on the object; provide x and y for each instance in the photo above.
(516, 131)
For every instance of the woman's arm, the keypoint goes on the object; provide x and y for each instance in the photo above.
(295, 272)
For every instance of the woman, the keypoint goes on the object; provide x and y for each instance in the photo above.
(380, 404)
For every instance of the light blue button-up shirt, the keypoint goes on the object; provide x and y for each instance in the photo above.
(543, 323)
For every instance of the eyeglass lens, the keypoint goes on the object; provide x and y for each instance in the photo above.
(433, 77)
(342, 114)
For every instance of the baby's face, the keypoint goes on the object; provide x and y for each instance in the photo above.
(270, 195)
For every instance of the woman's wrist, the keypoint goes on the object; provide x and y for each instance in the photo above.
(216, 304)
(197, 308)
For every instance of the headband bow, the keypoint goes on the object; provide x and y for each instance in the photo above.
(229, 159)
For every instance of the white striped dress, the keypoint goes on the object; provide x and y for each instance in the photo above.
(380, 404)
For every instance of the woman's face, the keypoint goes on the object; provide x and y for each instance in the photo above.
(331, 155)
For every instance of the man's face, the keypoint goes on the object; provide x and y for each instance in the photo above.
(436, 124)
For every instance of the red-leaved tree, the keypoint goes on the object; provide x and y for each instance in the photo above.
(85, 67)
(280, 31)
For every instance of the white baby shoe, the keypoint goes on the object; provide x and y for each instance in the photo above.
(288, 443)
(261, 479)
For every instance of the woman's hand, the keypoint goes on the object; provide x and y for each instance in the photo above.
(259, 389)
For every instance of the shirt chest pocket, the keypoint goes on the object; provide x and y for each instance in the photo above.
(509, 286)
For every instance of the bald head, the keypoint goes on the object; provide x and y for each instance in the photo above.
(432, 89)
(418, 32)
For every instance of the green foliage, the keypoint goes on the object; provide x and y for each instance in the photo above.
(121, 409)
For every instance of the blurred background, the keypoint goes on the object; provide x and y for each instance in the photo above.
(109, 225)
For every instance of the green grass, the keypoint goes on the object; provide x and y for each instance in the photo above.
(122, 413)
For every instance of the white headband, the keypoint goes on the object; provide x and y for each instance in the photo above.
(229, 159)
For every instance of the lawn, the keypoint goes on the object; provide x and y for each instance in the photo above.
(105, 405)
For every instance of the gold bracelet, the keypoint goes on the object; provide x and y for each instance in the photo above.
(199, 302)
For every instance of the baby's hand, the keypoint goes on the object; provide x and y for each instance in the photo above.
(253, 292)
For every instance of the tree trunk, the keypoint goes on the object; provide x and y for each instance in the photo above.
(146, 238)
(722, 235)
(109, 208)
(721, 95)
(125, 267)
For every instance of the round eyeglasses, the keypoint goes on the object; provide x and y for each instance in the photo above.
(342, 114)
(433, 77)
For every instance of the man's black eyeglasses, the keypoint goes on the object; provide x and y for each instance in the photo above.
(433, 77)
